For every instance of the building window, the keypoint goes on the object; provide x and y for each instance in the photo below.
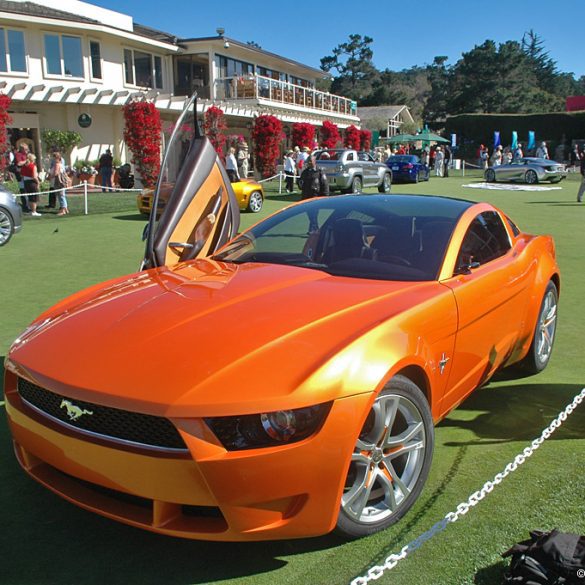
(95, 59)
(12, 52)
(63, 55)
(142, 69)
(232, 67)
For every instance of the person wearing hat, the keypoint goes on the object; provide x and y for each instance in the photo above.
(289, 170)
(302, 157)
(243, 159)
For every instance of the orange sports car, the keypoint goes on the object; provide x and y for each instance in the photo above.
(284, 382)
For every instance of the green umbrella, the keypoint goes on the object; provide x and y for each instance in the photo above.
(400, 138)
(430, 137)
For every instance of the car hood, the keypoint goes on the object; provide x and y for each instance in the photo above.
(203, 336)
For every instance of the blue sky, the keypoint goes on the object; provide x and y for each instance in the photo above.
(405, 33)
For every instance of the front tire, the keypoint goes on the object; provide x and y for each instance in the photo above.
(356, 185)
(531, 178)
(544, 334)
(256, 202)
(490, 176)
(386, 184)
(6, 227)
(390, 462)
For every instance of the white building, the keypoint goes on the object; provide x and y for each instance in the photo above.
(73, 68)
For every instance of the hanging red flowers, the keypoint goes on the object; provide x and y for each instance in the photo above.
(142, 134)
(5, 119)
(213, 125)
(267, 135)
(351, 137)
(329, 134)
(303, 134)
(365, 139)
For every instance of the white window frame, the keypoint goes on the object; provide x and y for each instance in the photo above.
(8, 57)
(153, 71)
(90, 62)
(62, 60)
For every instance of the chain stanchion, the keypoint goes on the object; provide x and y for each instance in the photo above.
(474, 499)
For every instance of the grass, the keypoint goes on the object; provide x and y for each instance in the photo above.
(48, 541)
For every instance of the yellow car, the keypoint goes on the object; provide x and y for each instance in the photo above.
(249, 194)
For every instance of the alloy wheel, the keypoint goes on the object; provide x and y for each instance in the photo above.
(387, 461)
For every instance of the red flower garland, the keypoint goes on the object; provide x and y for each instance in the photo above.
(303, 134)
(267, 135)
(365, 139)
(213, 126)
(351, 137)
(5, 119)
(329, 134)
(142, 136)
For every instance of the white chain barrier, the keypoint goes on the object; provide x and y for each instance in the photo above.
(80, 188)
(377, 571)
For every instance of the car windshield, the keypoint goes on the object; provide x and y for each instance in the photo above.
(380, 237)
(406, 158)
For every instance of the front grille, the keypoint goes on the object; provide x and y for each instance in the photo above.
(111, 423)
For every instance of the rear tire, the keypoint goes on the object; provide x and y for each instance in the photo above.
(390, 462)
(541, 347)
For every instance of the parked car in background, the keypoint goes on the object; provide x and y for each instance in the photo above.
(407, 168)
(349, 171)
(249, 195)
(280, 383)
(528, 170)
(10, 216)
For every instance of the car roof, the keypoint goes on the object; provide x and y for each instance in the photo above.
(399, 204)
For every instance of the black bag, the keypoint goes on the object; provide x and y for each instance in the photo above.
(548, 558)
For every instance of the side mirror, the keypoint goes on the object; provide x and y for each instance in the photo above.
(467, 264)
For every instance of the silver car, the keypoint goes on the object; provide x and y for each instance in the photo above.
(10, 216)
(527, 170)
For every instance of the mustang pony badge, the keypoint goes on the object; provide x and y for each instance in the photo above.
(73, 411)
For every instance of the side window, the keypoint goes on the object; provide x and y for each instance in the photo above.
(485, 240)
(349, 156)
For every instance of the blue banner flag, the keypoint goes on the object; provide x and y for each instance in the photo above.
(514, 140)
(453, 140)
(496, 139)
(531, 140)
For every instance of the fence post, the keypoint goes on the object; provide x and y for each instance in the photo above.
(85, 195)
(463, 167)
(280, 182)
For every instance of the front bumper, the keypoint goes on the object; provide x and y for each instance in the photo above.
(205, 493)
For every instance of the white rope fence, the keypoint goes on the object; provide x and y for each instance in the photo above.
(82, 188)
(377, 571)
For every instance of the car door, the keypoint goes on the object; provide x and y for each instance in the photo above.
(490, 283)
(370, 170)
(201, 211)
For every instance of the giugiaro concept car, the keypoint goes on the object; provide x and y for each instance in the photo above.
(284, 382)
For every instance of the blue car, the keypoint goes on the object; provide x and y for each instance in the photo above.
(407, 168)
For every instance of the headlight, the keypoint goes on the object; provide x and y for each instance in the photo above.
(267, 429)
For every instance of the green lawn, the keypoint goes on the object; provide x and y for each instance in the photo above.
(46, 540)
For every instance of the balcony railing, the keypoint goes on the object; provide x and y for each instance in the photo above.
(264, 88)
